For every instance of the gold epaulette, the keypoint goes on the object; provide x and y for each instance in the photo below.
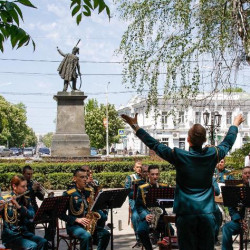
(71, 191)
(88, 189)
(143, 186)
(240, 185)
(163, 184)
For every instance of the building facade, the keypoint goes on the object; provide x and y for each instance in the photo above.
(172, 128)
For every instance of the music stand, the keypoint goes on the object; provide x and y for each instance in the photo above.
(163, 197)
(50, 209)
(239, 197)
(110, 199)
(233, 182)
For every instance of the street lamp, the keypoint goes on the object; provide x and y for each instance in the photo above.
(215, 123)
(107, 120)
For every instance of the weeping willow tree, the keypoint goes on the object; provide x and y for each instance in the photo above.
(169, 41)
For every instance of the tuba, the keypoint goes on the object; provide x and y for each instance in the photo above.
(91, 215)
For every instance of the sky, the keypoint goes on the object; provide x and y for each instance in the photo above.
(32, 78)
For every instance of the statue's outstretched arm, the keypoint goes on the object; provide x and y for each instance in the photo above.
(60, 52)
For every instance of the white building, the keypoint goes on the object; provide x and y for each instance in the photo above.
(173, 131)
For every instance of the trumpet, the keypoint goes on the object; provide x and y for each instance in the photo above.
(9, 199)
(43, 189)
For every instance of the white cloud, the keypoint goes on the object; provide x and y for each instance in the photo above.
(6, 84)
(57, 9)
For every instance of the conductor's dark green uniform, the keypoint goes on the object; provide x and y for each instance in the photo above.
(194, 197)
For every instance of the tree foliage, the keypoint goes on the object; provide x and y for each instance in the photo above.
(166, 39)
(11, 15)
(47, 139)
(237, 158)
(94, 124)
(13, 128)
(82, 8)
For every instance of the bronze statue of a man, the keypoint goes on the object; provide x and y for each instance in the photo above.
(68, 68)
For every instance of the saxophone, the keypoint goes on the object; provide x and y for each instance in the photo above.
(156, 212)
(93, 217)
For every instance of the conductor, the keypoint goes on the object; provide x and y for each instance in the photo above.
(194, 203)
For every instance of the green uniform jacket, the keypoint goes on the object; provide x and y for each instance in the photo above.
(129, 185)
(141, 199)
(78, 200)
(194, 171)
(24, 215)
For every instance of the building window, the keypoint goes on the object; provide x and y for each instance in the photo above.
(164, 141)
(181, 117)
(198, 117)
(229, 118)
(245, 115)
(164, 118)
(245, 140)
(182, 143)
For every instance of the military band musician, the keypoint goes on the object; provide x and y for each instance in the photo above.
(76, 221)
(17, 212)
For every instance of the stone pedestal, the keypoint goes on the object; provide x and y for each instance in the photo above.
(70, 139)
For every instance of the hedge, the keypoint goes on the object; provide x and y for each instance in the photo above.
(69, 167)
(61, 180)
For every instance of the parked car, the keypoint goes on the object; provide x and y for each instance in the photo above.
(44, 151)
(5, 152)
(28, 152)
(15, 151)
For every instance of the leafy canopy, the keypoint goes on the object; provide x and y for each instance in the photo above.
(95, 129)
(167, 39)
(13, 128)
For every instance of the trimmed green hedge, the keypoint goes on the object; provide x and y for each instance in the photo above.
(97, 167)
(61, 180)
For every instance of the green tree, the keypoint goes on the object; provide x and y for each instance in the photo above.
(166, 39)
(14, 130)
(94, 124)
(236, 159)
(11, 15)
(47, 139)
(229, 90)
(30, 138)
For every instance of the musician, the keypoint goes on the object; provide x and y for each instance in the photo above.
(217, 213)
(94, 183)
(145, 215)
(34, 188)
(221, 174)
(194, 198)
(16, 214)
(237, 218)
(91, 181)
(76, 220)
(129, 185)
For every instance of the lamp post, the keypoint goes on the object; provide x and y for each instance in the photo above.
(215, 123)
(107, 120)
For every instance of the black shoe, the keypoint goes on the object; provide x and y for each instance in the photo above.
(137, 245)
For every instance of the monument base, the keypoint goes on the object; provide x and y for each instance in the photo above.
(70, 139)
(70, 145)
